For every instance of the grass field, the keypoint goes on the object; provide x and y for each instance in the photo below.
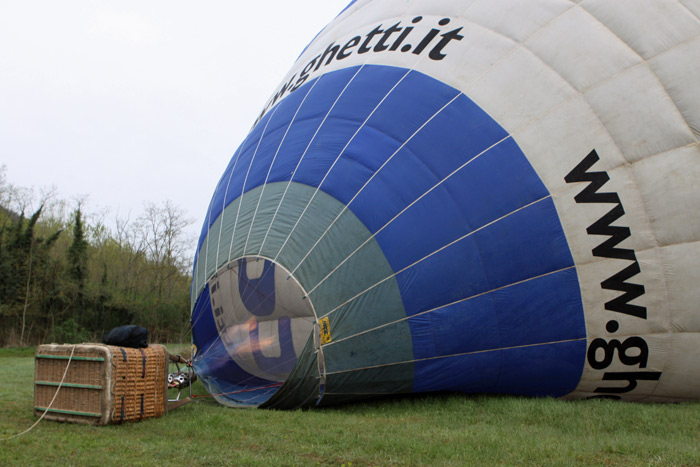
(426, 430)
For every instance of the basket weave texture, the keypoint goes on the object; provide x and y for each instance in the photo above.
(104, 384)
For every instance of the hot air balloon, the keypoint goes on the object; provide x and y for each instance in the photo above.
(483, 196)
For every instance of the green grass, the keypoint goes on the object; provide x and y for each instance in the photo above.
(418, 430)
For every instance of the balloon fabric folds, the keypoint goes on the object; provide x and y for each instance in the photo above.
(484, 196)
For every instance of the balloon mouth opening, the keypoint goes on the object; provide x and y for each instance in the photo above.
(264, 319)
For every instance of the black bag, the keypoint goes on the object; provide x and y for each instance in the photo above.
(127, 336)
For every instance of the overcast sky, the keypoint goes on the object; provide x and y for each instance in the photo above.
(134, 101)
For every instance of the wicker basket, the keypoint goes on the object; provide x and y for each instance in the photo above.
(104, 384)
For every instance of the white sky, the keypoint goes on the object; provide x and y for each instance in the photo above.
(134, 101)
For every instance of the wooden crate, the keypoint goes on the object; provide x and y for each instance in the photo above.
(104, 384)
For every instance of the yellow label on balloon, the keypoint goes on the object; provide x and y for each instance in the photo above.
(325, 330)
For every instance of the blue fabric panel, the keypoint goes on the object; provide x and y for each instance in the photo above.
(512, 249)
(384, 133)
(260, 153)
(472, 373)
(203, 326)
(258, 295)
(453, 137)
(357, 102)
(273, 137)
(543, 370)
(454, 273)
(361, 97)
(467, 326)
(490, 187)
(329, 142)
(526, 316)
(310, 118)
(506, 252)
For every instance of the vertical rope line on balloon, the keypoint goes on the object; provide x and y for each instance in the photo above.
(304, 154)
(342, 151)
(405, 209)
(245, 180)
(521, 128)
(437, 251)
(223, 203)
(218, 245)
(347, 206)
(269, 170)
(206, 247)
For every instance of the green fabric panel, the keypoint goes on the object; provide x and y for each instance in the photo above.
(272, 196)
(369, 382)
(329, 400)
(365, 269)
(378, 306)
(369, 349)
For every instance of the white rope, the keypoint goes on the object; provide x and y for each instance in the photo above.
(340, 154)
(245, 181)
(475, 352)
(346, 207)
(435, 252)
(269, 170)
(52, 400)
(304, 153)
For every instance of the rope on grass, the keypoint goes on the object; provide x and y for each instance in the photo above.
(52, 400)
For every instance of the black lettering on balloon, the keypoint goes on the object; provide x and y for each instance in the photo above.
(365, 47)
(609, 249)
(639, 358)
(436, 53)
(343, 54)
(377, 40)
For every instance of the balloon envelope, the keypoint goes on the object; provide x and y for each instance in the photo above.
(485, 196)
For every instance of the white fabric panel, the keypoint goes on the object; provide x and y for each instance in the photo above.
(647, 26)
(679, 71)
(681, 268)
(520, 89)
(437, 7)
(482, 49)
(678, 380)
(586, 52)
(657, 125)
(517, 20)
(693, 6)
(572, 130)
(673, 208)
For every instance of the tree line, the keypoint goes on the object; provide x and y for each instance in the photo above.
(66, 277)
